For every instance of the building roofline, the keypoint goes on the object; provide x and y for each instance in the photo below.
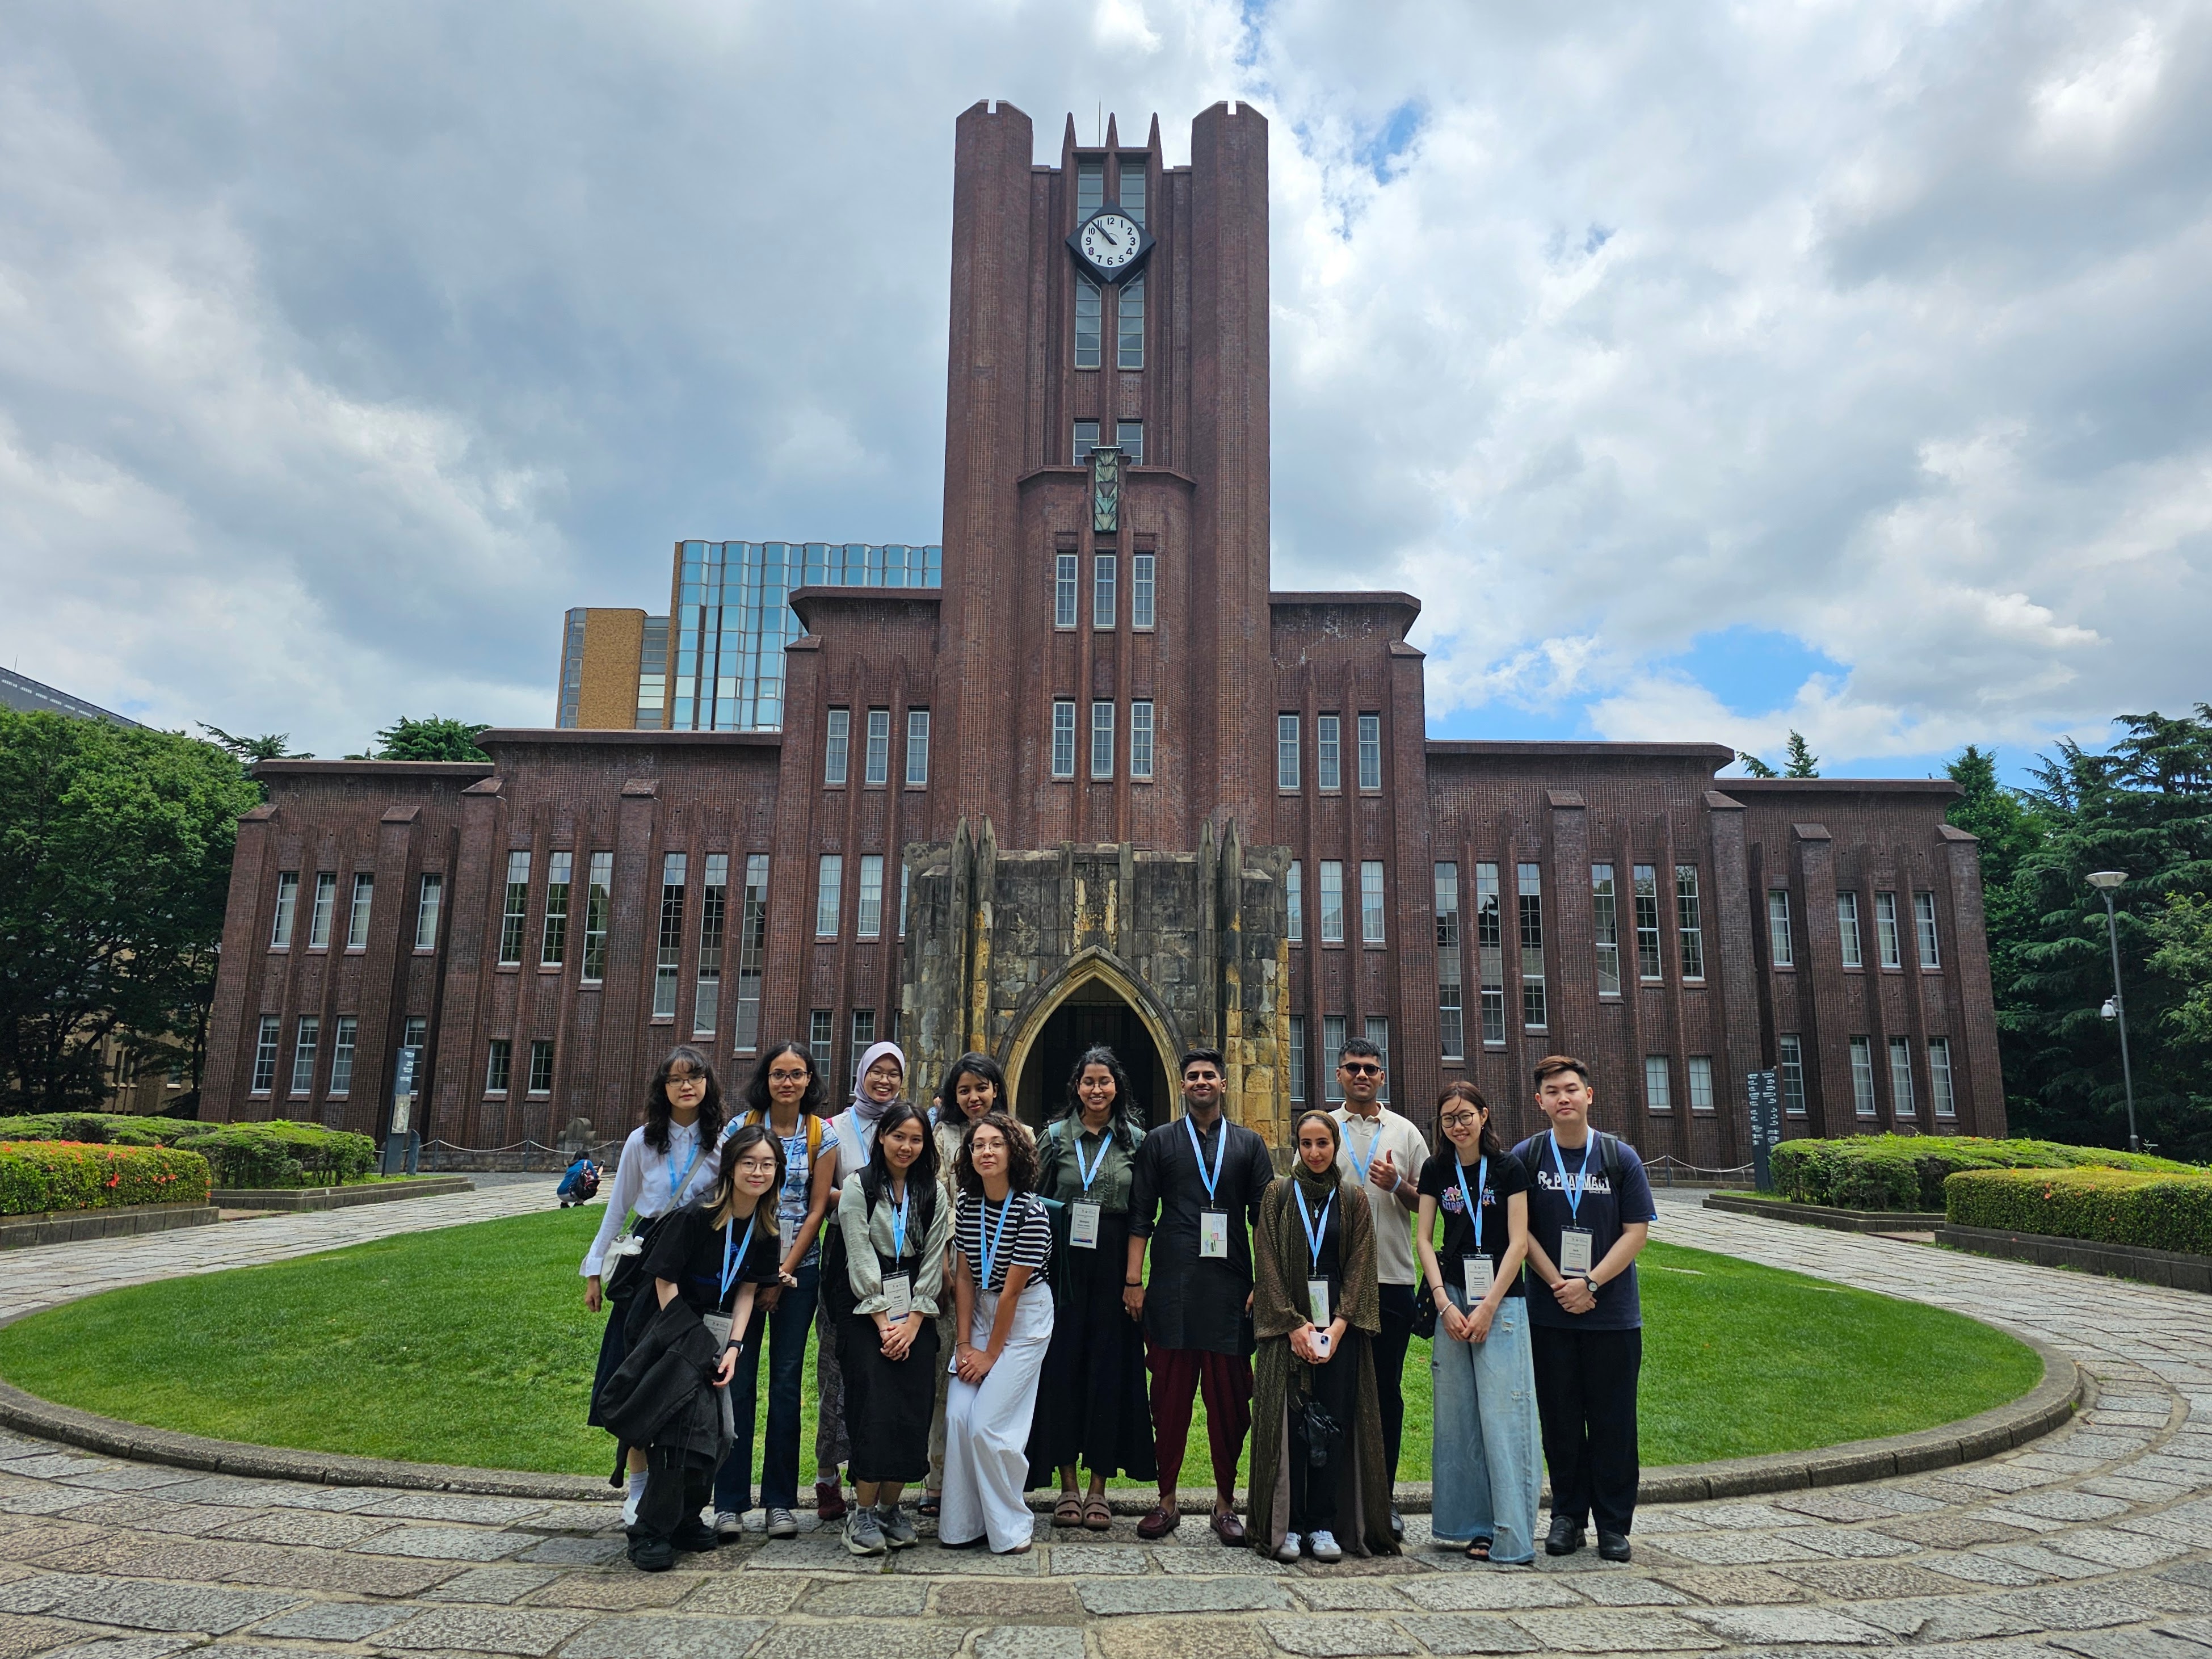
(1715, 754)
(452, 771)
(1381, 596)
(808, 602)
(618, 738)
(29, 696)
(1842, 786)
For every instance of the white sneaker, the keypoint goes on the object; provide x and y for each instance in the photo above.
(629, 1503)
(1289, 1551)
(1324, 1546)
(728, 1523)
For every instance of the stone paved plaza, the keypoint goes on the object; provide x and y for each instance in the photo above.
(2094, 1541)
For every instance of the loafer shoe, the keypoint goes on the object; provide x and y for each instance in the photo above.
(1228, 1528)
(1564, 1538)
(1613, 1546)
(1157, 1525)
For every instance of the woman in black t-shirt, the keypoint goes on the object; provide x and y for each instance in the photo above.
(1487, 1463)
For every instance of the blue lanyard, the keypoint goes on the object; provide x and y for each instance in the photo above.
(734, 1254)
(1220, 1151)
(1574, 1192)
(1358, 1162)
(1316, 1231)
(989, 1244)
(1481, 1185)
(675, 1181)
(898, 1224)
(1090, 1172)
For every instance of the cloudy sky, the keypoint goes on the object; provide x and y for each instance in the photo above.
(1710, 371)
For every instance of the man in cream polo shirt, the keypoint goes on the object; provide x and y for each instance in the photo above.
(1385, 1152)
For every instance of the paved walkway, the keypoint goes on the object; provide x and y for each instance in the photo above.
(2096, 1542)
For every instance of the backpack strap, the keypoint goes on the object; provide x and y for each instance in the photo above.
(1608, 1158)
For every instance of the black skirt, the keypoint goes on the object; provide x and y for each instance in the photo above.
(1092, 1406)
(888, 1403)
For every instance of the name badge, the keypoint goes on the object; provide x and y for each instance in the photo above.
(898, 1296)
(1476, 1273)
(1083, 1225)
(1213, 1235)
(1317, 1302)
(1574, 1249)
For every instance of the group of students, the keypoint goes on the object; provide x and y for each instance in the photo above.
(998, 1310)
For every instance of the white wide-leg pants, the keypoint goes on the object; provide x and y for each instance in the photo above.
(987, 1429)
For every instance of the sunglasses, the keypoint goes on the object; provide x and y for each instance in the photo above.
(1352, 1069)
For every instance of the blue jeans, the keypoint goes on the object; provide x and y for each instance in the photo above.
(1487, 1466)
(783, 1331)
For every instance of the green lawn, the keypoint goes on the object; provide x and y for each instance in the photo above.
(472, 1345)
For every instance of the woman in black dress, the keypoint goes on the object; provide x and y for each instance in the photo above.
(1091, 1405)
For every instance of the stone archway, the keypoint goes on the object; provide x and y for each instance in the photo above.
(1093, 1001)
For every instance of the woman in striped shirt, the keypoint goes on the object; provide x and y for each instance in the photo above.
(1002, 1243)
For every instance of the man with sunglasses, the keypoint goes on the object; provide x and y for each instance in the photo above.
(1386, 1154)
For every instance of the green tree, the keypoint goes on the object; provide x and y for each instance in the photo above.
(431, 739)
(2183, 933)
(1754, 767)
(2000, 818)
(1798, 761)
(273, 745)
(115, 849)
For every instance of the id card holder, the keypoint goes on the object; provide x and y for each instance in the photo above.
(1213, 1235)
(1317, 1302)
(1476, 1275)
(898, 1296)
(1083, 1225)
(1575, 1249)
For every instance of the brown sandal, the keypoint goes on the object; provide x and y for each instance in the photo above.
(1096, 1515)
(1068, 1513)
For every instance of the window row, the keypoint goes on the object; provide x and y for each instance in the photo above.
(876, 753)
(1487, 899)
(1328, 752)
(1091, 323)
(306, 1047)
(322, 911)
(1336, 1030)
(1128, 438)
(1105, 590)
(868, 907)
(862, 1035)
(499, 1067)
(1104, 724)
(1371, 904)
(1888, 931)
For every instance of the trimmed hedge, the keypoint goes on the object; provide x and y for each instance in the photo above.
(100, 1128)
(1908, 1172)
(2155, 1212)
(37, 1176)
(281, 1154)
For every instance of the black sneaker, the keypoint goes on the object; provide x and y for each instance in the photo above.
(1564, 1538)
(652, 1554)
(695, 1537)
(1613, 1546)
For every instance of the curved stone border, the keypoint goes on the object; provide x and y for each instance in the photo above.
(2034, 1415)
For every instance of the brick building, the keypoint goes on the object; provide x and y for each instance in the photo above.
(1103, 784)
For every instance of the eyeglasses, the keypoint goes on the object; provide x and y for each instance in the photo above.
(680, 1078)
(1458, 1120)
(788, 1077)
(1350, 1069)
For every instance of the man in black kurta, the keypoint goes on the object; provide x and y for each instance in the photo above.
(1202, 1178)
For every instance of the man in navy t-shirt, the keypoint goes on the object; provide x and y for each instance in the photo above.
(1589, 1214)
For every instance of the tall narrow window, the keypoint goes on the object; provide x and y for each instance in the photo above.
(1086, 439)
(288, 900)
(599, 901)
(1286, 751)
(668, 965)
(868, 919)
(1298, 1059)
(1792, 1068)
(1884, 931)
(426, 910)
(1847, 930)
(1328, 767)
(1658, 1085)
(713, 918)
(917, 748)
(1130, 329)
(1103, 605)
(1102, 740)
(1646, 880)
(1490, 954)
(1689, 921)
(1534, 1014)
(1605, 923)
(1089, 322)
(829, 895)
(265, 1055)
(516, 911)
(1378, 1033)
(1332, 901)
(1940, 1084)
(1332, 1047)
(1089, 185)
(878, 763)
(1924, 929)
(1370, 751)
(1140, 739)
(1296, 893)
(499, 1066)
(1451, 1017)
(1129, 439)
(1782, 950)
(821, 1038)
(1862, 1076)
(415, 1033)
(553, 945)
(1142, 597)
(541, 1066)
(837, 747)
(1064, 582)
(1900, 1077)
(319, 919)
(1371, 902)
(1701, 1082)
(752, 951)
(364, 901)
(863, 1038)
(344, 1035)
(303, 1054)
(1063, 739)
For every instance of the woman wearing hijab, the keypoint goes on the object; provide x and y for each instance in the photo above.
(1318, 1473)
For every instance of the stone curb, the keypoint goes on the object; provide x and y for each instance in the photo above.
(1824, 1215)
(1970, 1439)
(125, 1221)
(2174, 1270)
(297, 1198)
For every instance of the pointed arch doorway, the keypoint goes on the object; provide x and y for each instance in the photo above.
(1093, 1004)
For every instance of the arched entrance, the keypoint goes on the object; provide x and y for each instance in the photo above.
(1095, 1005)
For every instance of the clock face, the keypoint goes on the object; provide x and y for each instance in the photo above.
(1110, 240)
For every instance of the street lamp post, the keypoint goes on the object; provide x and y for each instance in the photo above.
(2105, 881)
